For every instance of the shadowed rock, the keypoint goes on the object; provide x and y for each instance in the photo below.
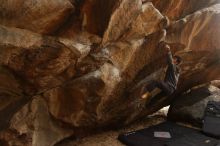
(34, 119)
(190, 107)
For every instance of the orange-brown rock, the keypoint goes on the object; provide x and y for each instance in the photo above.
(41, 16)
(41, 61)
(121, 19)
(109, 81)
(90, 71)
(176, 9)
(197, 33)
(34, 120)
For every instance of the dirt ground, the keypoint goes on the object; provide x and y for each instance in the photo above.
(109, 138)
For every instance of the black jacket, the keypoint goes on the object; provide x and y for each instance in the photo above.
(172, 72)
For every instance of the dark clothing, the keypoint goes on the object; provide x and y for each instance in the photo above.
(161, 85)
(169, 84)
(172, 72)
(166, 90)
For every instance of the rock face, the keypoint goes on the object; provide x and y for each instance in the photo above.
(129, 11)
(34, 119)
(40, 16)
(190, 107)
(189, 32)
(178, 9)
(76, 66)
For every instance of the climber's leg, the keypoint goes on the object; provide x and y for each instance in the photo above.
(166, 89)
(154, 99)
(146, 90)
(152, 85)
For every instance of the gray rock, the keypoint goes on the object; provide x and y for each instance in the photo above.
(190, 107)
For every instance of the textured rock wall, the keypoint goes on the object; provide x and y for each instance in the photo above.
(190, 107)
(68, 67)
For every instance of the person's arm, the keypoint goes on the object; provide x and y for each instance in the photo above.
(169, 57)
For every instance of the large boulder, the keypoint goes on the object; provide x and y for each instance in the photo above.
(122, 57)
(195, 38)
(90, 72)
(190, 106)
(113, 69)
(200, 55)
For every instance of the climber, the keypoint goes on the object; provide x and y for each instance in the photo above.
(169, 85)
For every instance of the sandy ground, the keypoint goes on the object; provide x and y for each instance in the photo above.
(109, 138)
